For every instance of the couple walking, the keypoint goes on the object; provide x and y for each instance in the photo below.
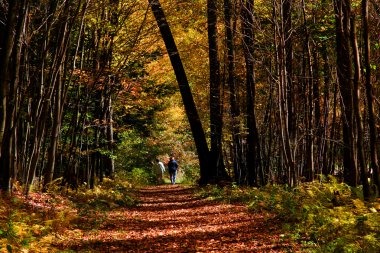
(172, 167)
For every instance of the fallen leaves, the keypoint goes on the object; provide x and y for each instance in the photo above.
(172, 219)
(168, 219)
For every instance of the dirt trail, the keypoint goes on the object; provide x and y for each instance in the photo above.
(171, 219)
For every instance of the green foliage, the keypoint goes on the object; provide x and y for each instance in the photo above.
(108, 194)
(30, 221)
(140, 176)
(230, 194)
(93, 204)
(135, 151)
(324, 216)
(33, 223)
(9, 230)
(190, 174)
(212, 192)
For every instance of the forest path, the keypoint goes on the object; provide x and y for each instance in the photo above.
(170, 218)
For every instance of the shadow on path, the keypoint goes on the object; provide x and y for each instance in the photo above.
(171, 219)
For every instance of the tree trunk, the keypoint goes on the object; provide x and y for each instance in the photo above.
(216, 165)
(358, 119)
(309, 91)
(231, 83)
(288, 50)
(369, 95)
(10, 63)
(283, 95)
(6, 50)
(325, 147)
(253, 144)
(188, 101)
(56, 125)
(342, 14)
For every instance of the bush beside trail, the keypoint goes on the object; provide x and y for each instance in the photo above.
(326, 216)
(38, 222)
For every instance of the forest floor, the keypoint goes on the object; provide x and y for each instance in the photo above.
(171, 218)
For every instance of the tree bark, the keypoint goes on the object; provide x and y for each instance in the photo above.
(310, 92)
(188, 101)
(284, 105)
(358, 119)
(216, 166)
(369, 94)
(231, 83)
(10, 64)
(342, 13)
(253, 144)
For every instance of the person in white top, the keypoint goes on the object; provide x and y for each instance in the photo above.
(159, 170)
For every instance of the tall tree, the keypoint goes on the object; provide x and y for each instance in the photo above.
(284, 61)
(237, 149)
(369, 95)
(184, 88)
(216, 166)
(343, 14)
(253, 144)
(11, 47)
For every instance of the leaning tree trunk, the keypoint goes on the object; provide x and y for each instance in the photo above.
(56, 125)
(184, 88)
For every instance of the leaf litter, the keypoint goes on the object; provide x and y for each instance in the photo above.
(171, 218)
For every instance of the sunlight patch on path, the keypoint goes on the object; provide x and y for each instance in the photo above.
(171, 219)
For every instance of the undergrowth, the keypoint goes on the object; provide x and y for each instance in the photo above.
(38, 223)
(324, 216)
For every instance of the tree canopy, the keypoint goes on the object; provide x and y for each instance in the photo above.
(262, 92)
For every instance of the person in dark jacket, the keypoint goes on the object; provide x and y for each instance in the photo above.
(172, 167)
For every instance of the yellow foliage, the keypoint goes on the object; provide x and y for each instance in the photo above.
(325, 213)
(360, 206)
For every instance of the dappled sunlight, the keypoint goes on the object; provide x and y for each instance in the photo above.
(170, 218)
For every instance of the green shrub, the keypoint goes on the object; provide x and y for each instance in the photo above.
(109, 194)
(190, 174)
(326, 216)
(139, 176)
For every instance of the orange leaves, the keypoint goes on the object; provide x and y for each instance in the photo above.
(171, 219)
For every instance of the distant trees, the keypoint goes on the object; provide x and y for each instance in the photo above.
(59, 82)
(309, 139)
(310, 119)
(184, 88)
(282, 79)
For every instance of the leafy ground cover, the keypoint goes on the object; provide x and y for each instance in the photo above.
(323, 216)
(164, 219)
(41, 222)
(172, 219)
(315, 217)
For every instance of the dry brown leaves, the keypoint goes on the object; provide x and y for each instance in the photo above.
(171, 219)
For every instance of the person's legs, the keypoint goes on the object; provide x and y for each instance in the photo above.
(174, 177)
